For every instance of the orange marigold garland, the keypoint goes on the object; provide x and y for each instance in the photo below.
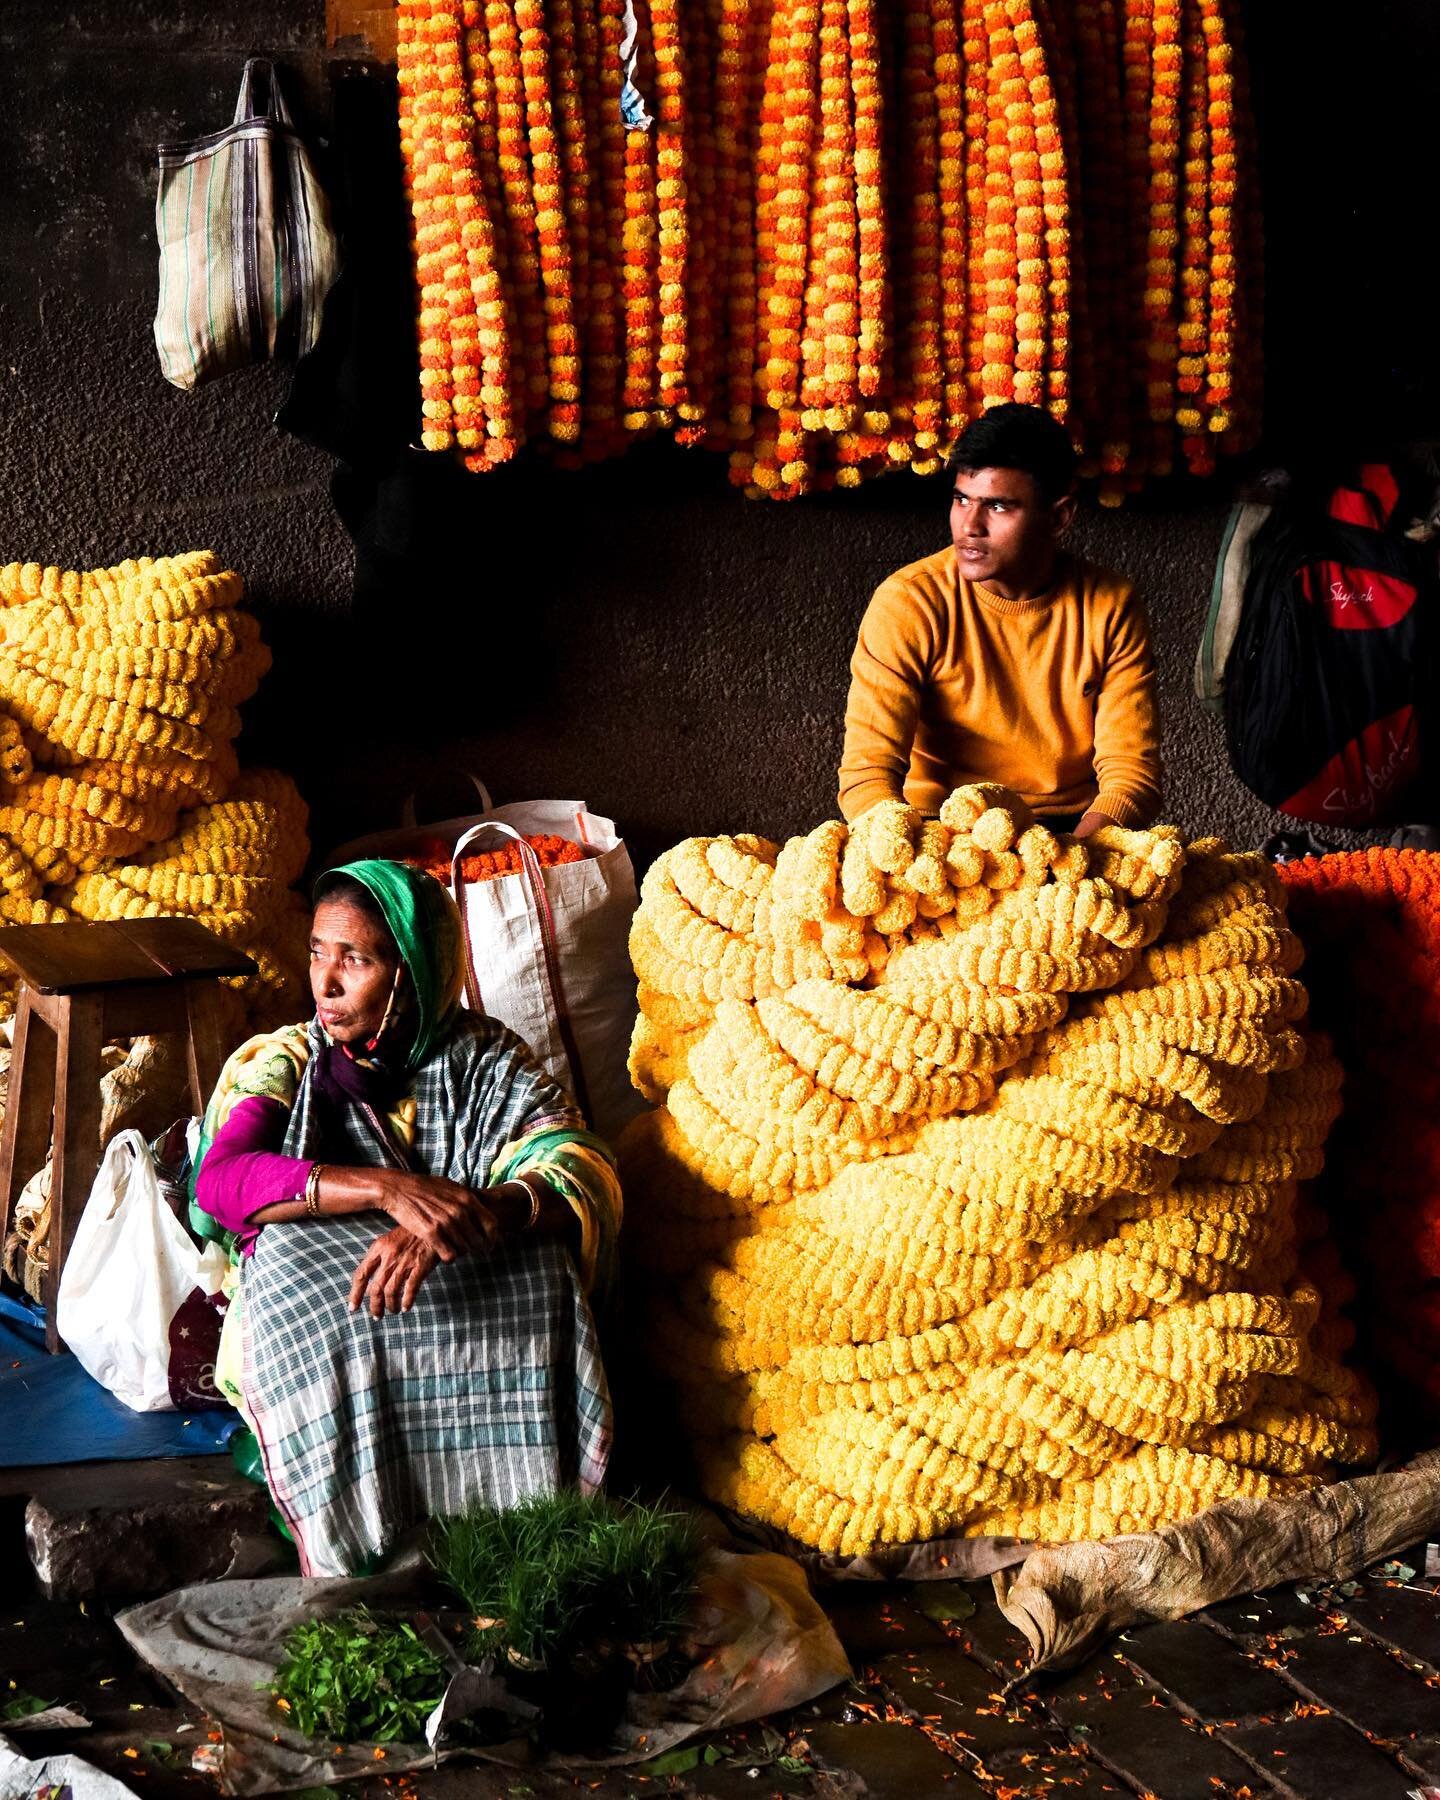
(479, 350)
(599, 41)
(976, 49)
(997, 378)
(1195, 277)
(1220, 350)
(742, 113)
(1162, 236)
(1070, 195)
(837, 391)
(1054, 176)
(955, 297)
(425, 167)
(512, 154)
(568, 115)
(642, 324)
(702, 225)
(562, 342)
(757, 466)
(869, 209)
(671, 194)
(782, 308)
(1370, 922)
(1032, 265)
(493, 304)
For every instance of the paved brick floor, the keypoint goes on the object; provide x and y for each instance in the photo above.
(1331, 1694)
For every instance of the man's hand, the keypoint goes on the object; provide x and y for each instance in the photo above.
(389, 1274)
(1092, 821)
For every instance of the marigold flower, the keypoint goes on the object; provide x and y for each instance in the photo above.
(954, 1250)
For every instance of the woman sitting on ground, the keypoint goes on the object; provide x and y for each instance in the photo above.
(419, 1216)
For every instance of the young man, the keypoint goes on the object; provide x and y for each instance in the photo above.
(1003, 658)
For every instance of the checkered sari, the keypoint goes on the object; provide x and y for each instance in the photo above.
(489, 1389)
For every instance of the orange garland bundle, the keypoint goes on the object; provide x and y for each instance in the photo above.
(1060, 211)
(486, 865)
(1370, 920)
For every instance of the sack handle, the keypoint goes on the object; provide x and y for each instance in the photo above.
(407, 809)
(275, 107)
(534, 877)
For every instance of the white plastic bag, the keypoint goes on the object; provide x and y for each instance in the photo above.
(130, 1269)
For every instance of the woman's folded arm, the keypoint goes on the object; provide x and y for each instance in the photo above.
(244, 1172)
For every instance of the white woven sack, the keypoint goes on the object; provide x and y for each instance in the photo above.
(548, 954)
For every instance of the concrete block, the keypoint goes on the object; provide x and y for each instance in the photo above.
(126, 1531)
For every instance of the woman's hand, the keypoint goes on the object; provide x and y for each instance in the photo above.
(389, 1274)
(448, 1218)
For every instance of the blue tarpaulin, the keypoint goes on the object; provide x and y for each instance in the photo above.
(52, 1412)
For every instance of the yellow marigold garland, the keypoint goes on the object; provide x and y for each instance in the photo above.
(1066, 1302)
(118, 690)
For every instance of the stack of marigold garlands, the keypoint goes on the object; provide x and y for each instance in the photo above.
(1371, 924)
(120, 794)
(970, 1204)
(852, 226)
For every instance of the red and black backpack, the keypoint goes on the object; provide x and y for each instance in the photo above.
(1329, 681)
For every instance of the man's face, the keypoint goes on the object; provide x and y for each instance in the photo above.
(1004, 532)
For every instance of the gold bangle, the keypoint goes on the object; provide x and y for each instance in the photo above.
(534, 1194)
(312, 1190)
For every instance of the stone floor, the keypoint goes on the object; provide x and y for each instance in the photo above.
(1321, 1694)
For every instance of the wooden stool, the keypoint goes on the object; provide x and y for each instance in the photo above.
(82, 984)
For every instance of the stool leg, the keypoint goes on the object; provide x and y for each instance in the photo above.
(77, 1136)
(206, 1048)
(29, 1105)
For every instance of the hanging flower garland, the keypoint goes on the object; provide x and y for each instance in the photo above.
(512, 154)
(1061, 211)
(426, 171)
(1001, 260)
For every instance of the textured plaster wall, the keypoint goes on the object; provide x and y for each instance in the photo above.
(696, 648)
(685, 664)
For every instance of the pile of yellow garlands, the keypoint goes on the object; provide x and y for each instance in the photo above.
(120, 794)
(969, 1205)
(853, 226)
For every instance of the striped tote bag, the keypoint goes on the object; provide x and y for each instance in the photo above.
(247, 253)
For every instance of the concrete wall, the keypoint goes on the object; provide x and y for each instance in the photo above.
(680, 658)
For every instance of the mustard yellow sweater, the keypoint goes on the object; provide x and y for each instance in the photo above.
(1053, 697)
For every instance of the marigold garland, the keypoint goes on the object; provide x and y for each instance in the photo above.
(1371, 919)
(1067, 218)
(119, 795)
(998, 1231)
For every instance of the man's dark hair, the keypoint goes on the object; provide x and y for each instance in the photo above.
(1018, 437)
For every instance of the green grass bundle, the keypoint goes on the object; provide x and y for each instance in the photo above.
(355, 1678)
(567, 1572)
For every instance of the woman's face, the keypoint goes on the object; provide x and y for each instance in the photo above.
(352, 971)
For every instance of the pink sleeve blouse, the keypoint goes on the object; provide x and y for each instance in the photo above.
(244, 1170)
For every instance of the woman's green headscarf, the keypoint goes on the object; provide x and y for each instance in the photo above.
(425, 924)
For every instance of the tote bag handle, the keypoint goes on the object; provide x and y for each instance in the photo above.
(408, 818)
(275, 107)
(534, 879)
